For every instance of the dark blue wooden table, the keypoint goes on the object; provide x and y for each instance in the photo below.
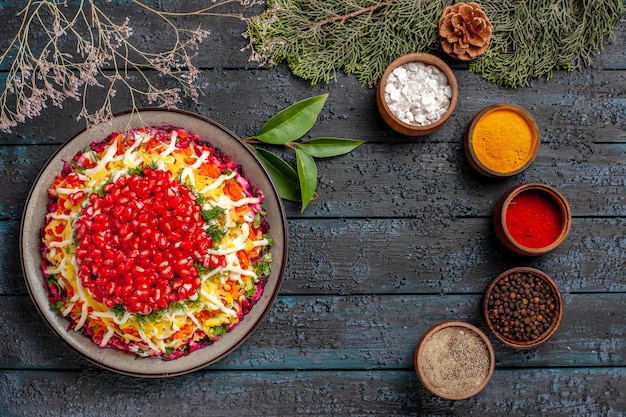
(399, 239)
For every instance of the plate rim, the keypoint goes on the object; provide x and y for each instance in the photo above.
(202, 357)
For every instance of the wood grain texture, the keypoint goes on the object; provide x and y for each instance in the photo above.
(354, 332)
(346, 256)
(572, 109)
(554, 392)
(399, 239)
(429, 181)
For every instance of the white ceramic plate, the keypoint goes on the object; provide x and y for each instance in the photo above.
(128, 363)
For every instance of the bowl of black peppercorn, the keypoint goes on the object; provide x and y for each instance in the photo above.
(523, 307)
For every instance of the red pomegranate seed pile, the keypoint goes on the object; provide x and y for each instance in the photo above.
(137, 244)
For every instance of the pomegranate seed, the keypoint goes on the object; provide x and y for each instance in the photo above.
(76, 197)
(166, 227)
(166, 272)
(177, 284)
(125, 291)
(183, 292)
(215, 261)
(137, 243)
(89, 211)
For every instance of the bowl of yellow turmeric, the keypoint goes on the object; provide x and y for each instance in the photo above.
(501, 140)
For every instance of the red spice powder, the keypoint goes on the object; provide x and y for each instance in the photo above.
(533, 219)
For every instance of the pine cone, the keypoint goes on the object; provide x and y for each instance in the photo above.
(464, 31)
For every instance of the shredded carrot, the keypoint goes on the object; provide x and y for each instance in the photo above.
(70, 291)
(184, 333)
(244, 260)
(153, 144)
(210, 171)
(233, 190)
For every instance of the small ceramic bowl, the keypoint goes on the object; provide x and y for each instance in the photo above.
(483, 152)
(454, 360)
(392, 119)
(532, 219)
(523, 307)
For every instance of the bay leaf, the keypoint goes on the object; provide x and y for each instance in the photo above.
(329, 147)
(293, 122)
(285, 178)
(307, 173)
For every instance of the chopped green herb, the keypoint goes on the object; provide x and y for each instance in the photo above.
(119, 311)
(263, 267)
(58, 306)
(194, 303)
(215, 232)
(155, 315)
(257, 218)
(220, 330)
(139, 170)
(200, 199)
(201, 269)
(53, 281)
(100, 190)
(216, 213)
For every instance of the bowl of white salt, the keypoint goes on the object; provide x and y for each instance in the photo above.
(416, 94)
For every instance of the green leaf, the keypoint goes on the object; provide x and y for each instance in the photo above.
(284, 176)
(328, 147)
(307, 173)
(214, 214)
(293, 122)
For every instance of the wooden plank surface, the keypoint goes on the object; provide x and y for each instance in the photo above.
(399, 239)
(346, 256)
(571, 109)
(563, 392)
(431, 181)
(354, 332)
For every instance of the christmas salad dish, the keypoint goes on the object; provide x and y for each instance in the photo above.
(154, 242)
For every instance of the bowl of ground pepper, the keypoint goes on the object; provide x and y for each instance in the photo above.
(416, 94)
(501, 140)
(454, 360)
(523, 307)
(532, 219)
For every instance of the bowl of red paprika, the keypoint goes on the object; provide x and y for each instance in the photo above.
(532, 219)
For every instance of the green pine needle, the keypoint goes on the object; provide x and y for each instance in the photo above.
(531, 38)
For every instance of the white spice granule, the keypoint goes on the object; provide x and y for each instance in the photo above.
(418, 94)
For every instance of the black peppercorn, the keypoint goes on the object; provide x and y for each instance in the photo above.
(522, 306)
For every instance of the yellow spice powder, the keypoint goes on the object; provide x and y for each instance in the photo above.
(503, 140)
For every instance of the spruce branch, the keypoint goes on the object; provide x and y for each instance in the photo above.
(343, 18)
(531, 39)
